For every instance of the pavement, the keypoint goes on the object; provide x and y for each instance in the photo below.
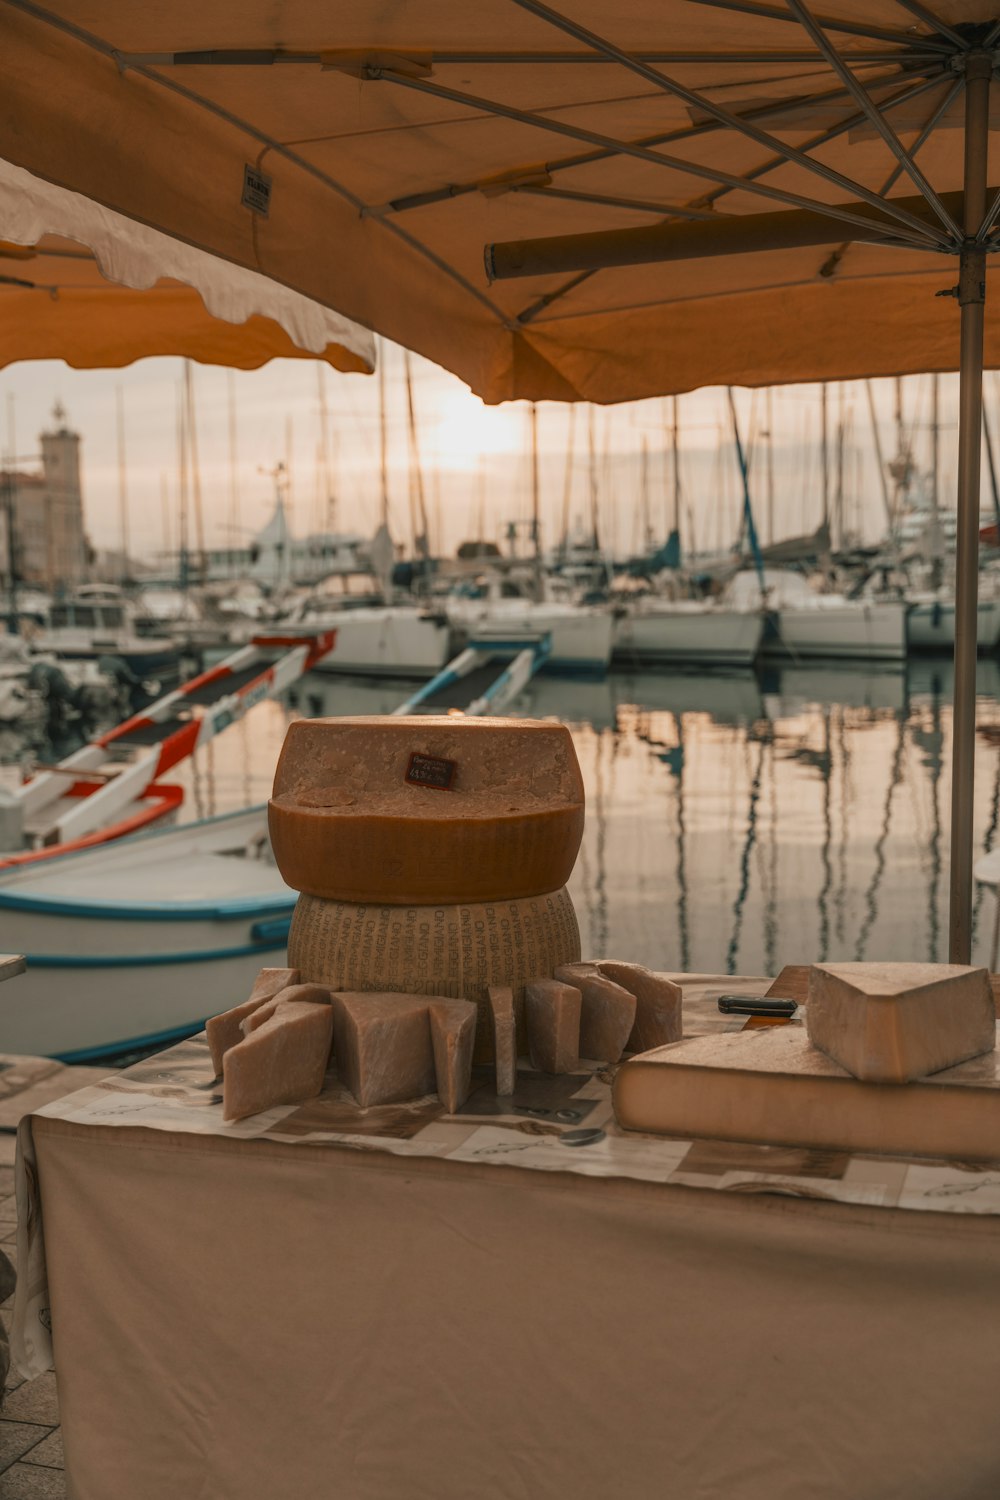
(31, 1453)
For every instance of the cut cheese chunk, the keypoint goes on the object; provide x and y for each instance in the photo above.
(552, 1013)
(382, 1046)
(225, 1030)
(659, 1004)
(295, 994)
(426, 810)
(283, 1062)
(270, 981)
(457, 951)
(453, 1034)
(501, 998)
(607, 1015)
(891, 1022)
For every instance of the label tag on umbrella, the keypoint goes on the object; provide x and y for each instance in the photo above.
(256, 191)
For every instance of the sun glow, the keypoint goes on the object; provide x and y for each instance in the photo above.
(466, 431)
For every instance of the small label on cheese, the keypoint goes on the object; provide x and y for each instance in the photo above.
(431, 771)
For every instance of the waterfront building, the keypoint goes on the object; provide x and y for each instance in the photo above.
(42, 513)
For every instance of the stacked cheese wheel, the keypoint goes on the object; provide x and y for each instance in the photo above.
(431, 853)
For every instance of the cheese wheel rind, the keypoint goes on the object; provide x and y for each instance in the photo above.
(493, 811)
(456, 951)
(401, 862)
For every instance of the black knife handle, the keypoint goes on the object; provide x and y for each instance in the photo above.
(749, 1005)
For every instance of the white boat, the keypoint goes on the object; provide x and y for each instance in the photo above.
(136, 943)
(930, 622)
(97, 620)
(580, 635)
(652, 629)
(376, 640)
(110, 787)
(810, 624)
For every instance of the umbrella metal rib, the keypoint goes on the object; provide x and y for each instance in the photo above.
(845, 28)
(939, 111)
(883, 127)
(270, 57)
(905, 96)
(662, 138)
(738, 122)
(941, 27)
(923, 236)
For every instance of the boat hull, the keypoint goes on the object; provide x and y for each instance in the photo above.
(855, 630)
(140, 941)
(83, 1006)
(665, 633)
(581, 639)
(930, 625)
(388, 643)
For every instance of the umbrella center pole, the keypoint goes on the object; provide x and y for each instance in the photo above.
(972, 301)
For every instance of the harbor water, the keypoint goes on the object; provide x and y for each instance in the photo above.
(735, 822)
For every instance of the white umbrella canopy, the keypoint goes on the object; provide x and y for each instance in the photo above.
(668, 192)
(81, 283)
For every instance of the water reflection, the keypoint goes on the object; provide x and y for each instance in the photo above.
(734, 821)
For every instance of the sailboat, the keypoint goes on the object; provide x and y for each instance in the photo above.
(806, 622)
(520, 603)
(660, 628)
(388, 638)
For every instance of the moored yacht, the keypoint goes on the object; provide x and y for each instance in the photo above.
(805, 623)
(97, 620)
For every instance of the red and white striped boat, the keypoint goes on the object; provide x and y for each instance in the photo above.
(111, 787)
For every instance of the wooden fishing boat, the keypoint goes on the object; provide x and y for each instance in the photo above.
(134, 944)
(111, 786)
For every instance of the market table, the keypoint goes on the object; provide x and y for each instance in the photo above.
(516, 1303)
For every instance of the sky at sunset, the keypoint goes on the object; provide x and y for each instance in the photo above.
(474, 459)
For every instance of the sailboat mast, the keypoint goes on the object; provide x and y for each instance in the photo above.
(165, 514)
(935, 444)
(769, 419)
(122, 482)
(383, 439)
(825, 456)
(879, 458)
(675, 452)
(328, 520)
(192, 451)
(182, 488)
(416, 474)
(234, 488)
(567, 484)
(536, 522)
(591, 449)
(647, 530)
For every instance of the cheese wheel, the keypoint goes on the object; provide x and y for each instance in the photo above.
(426, 809)
(455, 951)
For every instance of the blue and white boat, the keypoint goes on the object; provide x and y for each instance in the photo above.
(136, 943)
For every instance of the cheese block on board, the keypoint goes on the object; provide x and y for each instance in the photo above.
(456, 951)
(282, 1062)
(772, 1086)
(225, 1030)
(426, 810)
(892, 1022)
